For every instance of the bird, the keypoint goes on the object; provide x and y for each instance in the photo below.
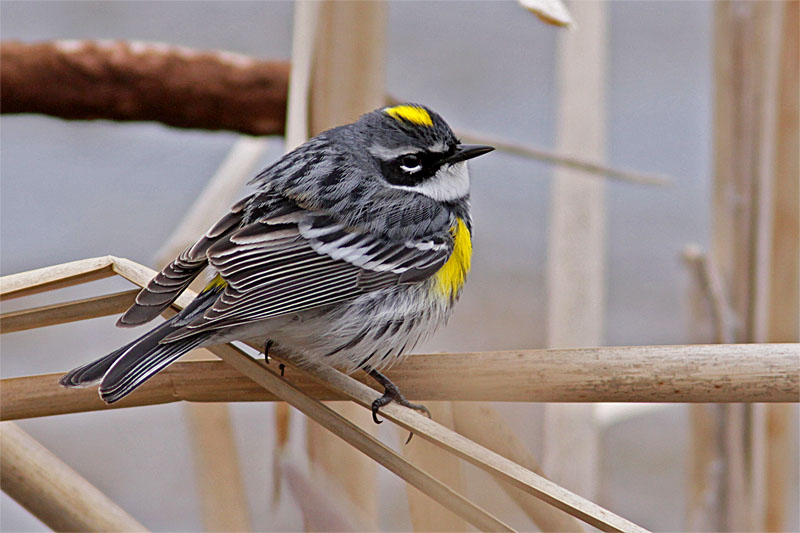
(350, 250)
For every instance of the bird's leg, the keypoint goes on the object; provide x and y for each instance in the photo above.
(267, 346)
(390, 394)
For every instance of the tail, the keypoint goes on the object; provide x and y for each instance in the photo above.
(123, 370)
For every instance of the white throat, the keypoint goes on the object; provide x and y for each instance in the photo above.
(451, 182)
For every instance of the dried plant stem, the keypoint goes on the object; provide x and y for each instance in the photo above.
(131, 75)
(481, 457)
(52, 491)
(484, 425)
(121, 80)
(344, 68)
(55, 277)
(569, 161)
(358, 438)
(62, 313)
(428, 429)
(425, 514)
(685, 374)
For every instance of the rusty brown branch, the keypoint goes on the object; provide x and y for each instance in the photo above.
(120, 80)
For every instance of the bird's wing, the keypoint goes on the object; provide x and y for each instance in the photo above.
(283, 264)
(168, 284)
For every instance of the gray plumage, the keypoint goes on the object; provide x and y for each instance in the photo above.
(333, 257)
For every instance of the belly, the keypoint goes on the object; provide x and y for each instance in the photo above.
(376, 329)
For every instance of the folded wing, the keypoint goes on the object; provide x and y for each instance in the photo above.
(300, 260)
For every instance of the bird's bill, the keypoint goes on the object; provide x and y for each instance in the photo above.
(467, 151)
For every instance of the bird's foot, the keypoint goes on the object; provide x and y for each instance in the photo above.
(391, 394)
(267, 346)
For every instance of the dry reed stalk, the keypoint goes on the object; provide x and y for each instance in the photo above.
(220, 484)
(746, 54)
(579, 163)
(223, 499)
(576, 242)
(411, 420)
(779, 320)
(320, 502)
(685, 374)
(675, 374)
(62, 313)
(479, 456)
(55, 277)
(358, 438)
(486, 427)
(121, 80)
(52, 491)
(345, 78)
(710, 318)
(426, 515)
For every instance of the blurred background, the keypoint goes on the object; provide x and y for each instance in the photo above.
(72, 190)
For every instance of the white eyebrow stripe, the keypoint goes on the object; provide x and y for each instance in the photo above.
(387, 154)
(438, 146)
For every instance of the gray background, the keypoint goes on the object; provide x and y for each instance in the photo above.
(72, 190)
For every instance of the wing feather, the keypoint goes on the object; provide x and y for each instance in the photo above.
(303, 260)
(168, 284)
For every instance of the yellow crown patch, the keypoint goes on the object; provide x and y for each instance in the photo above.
(410, 113)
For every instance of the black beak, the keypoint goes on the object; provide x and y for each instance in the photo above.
(467, 151)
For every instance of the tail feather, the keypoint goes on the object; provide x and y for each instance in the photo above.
(91, 373)
(140, 364)
(125, 369)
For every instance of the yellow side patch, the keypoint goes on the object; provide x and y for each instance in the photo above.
(451, 277)
(216, 283)
(410, 113)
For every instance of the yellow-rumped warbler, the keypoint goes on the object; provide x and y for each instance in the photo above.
(354, 247)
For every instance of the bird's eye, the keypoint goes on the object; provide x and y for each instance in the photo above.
(410, 163)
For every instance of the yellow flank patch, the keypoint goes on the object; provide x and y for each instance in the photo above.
(216, 283)
(410, 113)
(451, 277)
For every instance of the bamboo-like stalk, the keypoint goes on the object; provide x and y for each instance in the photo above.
(55, 277)
(426, 428)
(52, 491)
(675, 374)
(62, 313)
(568, 161)
(788, 384)
(223, 499)
(710, 318)
(464, 448)
(783, 290)
(358, 438)
(485, 426)
(346, 76)
(425, 514)
(552, 12)
(746, 46)
(220, 484)
(576, 255)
